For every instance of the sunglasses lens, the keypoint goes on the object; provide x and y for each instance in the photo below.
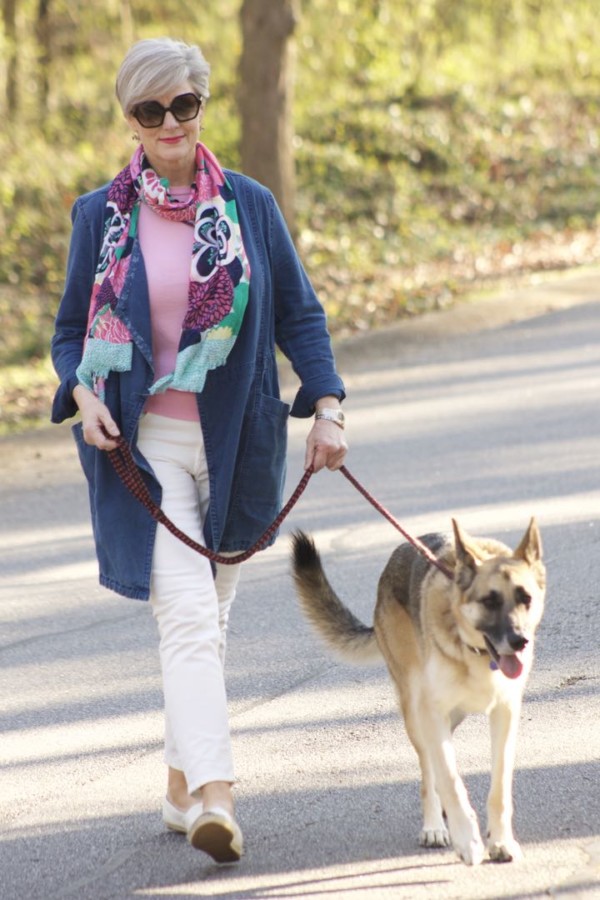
(185, 107)
(149, 114)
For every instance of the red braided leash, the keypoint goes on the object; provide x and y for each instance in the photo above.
(417, 544)
(127, 470)
(125, 467)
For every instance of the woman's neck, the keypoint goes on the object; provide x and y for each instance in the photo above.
(177, 178)
(180, 174)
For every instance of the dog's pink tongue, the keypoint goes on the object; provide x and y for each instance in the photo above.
(511, 666)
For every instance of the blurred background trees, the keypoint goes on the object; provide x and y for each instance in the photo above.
(417, 147)
(265, 92)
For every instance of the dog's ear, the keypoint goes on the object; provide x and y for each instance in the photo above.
(530, 551)
(466, 558)
(530, 548)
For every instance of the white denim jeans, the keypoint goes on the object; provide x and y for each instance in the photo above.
(191, 607)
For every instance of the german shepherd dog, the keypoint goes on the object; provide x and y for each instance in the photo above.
(454, 644)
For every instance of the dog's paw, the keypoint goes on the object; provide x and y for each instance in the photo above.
(505, 851)
(471, 853)
(466, 839)
(468, 844)
(434, 837)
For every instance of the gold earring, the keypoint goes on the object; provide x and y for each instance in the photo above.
(135, 136)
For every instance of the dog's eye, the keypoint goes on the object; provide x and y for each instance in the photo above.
(493, 600)
(522, 597)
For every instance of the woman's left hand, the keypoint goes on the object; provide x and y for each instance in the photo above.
(325, 446)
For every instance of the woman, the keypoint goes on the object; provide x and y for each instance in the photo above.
(180, 281)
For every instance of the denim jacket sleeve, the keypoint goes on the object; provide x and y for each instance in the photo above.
(300, 323)
(71, 319)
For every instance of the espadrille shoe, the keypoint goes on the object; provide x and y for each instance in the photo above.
(216, 833)
(177, 819)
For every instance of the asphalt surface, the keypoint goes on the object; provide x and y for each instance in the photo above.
(488, 412)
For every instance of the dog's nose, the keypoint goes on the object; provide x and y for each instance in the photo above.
(518, 642)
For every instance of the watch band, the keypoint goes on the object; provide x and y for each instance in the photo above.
(331, 415)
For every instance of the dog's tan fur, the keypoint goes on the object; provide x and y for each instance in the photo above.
(452, 647)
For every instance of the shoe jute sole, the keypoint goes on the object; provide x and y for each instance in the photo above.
(218, 835)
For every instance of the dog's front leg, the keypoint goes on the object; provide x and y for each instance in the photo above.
(502, 846)
(462, 821)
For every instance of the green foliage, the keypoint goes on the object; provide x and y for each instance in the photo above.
(432, 136)
(25, 395)
(77, 142)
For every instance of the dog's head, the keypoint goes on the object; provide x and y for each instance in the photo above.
(501, 594)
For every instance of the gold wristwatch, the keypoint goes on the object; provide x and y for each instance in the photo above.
(331, 415)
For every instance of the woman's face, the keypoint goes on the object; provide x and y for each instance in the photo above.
(171, 147)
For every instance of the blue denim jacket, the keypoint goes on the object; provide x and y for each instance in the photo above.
(243, 419)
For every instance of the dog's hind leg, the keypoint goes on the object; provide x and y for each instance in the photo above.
(462, 821)
(504, 722)
(403, 657)
(399, 645)
(434, 832)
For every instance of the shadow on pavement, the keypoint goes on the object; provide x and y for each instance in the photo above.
(117, 855)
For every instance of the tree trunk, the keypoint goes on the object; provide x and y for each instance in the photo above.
(9, 20)
(127, 24)
(42, 31)
(265, 97)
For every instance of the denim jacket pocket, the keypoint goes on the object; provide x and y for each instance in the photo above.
(258, 485)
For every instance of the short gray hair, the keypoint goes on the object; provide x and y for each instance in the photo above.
(156, 65)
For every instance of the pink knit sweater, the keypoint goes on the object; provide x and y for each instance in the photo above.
(167, 251)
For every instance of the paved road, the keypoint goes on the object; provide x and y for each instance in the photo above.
(489, 413)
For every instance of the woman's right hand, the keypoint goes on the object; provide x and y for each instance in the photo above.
(95, 418)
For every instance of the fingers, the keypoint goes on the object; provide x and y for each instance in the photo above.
(325, 446)
(330, 460)
(107, 424)
(98, 424)
(98, 431)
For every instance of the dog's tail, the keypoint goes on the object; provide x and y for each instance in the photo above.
(338, 627)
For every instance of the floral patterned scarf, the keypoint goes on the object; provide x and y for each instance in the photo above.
(219, 278)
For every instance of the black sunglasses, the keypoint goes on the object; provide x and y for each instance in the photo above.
(151, 113)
